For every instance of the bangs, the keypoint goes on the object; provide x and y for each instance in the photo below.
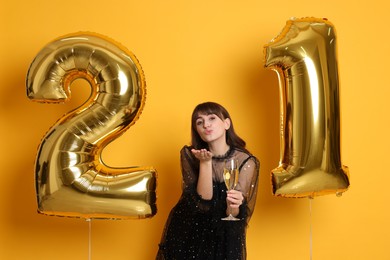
(208, 108)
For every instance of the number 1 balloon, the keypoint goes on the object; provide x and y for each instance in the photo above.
(71, 178)
(304, 57)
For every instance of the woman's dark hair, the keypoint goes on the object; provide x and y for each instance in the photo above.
(207, 108)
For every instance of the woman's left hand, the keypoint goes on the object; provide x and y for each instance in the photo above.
(234, 198)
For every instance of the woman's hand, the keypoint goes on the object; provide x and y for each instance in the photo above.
(234, 199)
(202, 154)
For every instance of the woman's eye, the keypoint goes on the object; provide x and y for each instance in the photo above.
(198, 122)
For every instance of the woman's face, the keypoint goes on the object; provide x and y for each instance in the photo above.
(211, 128)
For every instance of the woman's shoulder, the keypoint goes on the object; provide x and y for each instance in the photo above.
(243, 152)
(246, 155)
(186, 149)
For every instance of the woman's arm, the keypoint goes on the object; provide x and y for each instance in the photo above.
(246, 189)
(190, 173)
(205, 180)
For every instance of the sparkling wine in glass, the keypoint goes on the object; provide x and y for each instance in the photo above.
(230, 176)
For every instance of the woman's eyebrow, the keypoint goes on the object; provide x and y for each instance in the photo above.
(200, 116)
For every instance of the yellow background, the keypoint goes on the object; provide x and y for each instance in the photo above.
(195, 51)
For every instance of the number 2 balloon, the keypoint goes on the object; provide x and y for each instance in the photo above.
(71, 179)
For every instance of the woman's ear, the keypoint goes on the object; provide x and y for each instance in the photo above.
(227, 123)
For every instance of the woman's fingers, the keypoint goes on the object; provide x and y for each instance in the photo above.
(235, 198)
(202, 154)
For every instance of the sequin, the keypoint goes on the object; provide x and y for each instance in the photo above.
(194, 229)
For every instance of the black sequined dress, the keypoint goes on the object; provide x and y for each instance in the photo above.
(194, 229)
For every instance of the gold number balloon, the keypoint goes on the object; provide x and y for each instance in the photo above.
(304, 57)
(71, 178)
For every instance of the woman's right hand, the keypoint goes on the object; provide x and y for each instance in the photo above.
(202, 154)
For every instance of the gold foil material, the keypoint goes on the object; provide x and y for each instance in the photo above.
(304, 56)
(71, 178)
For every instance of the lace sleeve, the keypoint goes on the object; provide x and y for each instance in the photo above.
(190, 172)
(248, 182)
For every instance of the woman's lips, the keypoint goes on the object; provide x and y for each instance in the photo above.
(208, 132)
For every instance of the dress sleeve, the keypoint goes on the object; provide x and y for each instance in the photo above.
(248, 182)
(189, 170)
(190, 173)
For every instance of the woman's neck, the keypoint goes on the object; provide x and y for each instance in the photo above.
(219, 149)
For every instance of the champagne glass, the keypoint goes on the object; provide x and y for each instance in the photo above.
(230, 176)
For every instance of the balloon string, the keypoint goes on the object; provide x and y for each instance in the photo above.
(89, 237)
(311, 233)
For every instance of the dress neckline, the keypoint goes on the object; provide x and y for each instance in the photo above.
(225, 155)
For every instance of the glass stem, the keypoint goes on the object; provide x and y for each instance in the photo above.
(229, 209)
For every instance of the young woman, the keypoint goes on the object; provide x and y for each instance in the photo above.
(194, 229)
